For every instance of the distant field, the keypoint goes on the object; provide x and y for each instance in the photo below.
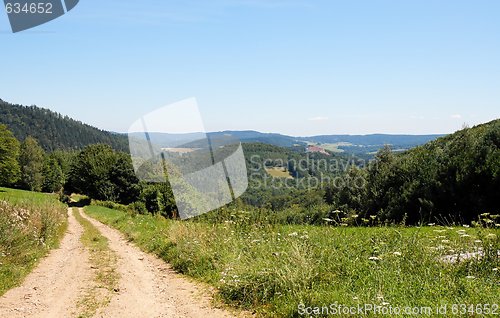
(30, 225)
(335, 147)
(180, 150)
(273, 269)
(278, 172)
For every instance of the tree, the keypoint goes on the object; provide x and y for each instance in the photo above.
(31, 160)
(53, 175)
(90, 172)
(123, 177)
(9, 153)
(103, 174)
(64, 159)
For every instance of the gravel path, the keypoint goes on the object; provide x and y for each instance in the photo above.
(53, 288)
(148, 287)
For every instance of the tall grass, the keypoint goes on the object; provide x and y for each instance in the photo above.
(30, 225)
(272, 269)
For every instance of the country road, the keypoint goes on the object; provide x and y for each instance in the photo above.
(148, 287)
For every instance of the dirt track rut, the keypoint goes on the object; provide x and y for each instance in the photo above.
(148, 287)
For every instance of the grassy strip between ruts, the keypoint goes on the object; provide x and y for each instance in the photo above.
(273, 269)
(30, 225)
(103, 261)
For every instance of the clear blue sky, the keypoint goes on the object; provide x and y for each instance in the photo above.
(290, 66)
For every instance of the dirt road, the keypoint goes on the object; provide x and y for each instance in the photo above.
(148, 287)
(52, 289)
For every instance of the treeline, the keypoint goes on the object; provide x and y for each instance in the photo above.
(97, 171)
(54, 131)
(26, 165)
(452, 179)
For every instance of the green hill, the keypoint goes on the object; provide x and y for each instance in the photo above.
(455, 178)
(53, 130)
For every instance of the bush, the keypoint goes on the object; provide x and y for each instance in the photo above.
(132, 209)
(139, 207)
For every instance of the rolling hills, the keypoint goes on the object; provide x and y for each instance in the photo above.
(55, 131)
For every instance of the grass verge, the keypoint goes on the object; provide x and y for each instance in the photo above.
(273, 269)
(103, 261)
(30, 225)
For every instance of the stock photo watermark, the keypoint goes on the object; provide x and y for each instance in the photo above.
(307, 173)
(170, 145)
(385, 309)
(27, 14)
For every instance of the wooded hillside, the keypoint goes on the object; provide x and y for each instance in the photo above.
(53, 130)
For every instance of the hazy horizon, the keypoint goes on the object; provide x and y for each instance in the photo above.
(294, 67)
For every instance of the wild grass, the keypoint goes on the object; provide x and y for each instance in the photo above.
(103, 262)
(30, 225)
(272, 269)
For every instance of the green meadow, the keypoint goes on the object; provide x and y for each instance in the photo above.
(278, 270)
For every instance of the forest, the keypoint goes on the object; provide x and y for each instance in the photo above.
(454, 179)
(54, 131)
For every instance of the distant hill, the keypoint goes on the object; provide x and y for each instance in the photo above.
(248, 136)
(374, 139)
(53, 130)
(360, 145)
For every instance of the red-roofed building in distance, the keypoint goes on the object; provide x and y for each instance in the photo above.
(313, 148)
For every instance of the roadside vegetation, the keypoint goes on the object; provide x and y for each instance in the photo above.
(30, 225)
(103, 262)
(273, 268)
